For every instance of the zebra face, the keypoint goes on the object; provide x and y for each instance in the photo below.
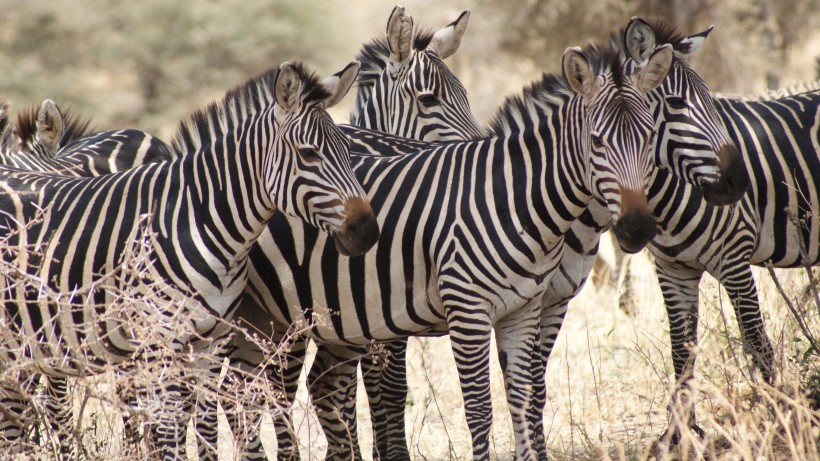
(621, 164)
(316, 182)
(413, 93)
(620, 131)
(439, 100)
(692, 142)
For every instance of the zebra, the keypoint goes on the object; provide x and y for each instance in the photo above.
(775, 219)
(405, 88)
(685, 138)
(425, 244)
(49, 140)
(777, 139)
(269, 144)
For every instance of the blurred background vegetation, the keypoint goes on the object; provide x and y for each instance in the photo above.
(149, 63)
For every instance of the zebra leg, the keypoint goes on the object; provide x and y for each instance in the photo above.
(470, 335)
(330, 380)
(13, 405)
(170, 426)
(207, 393)
(386, 386)
(552, 317)
(243, 421)
(516, 335)
(740, 285)
(284, 378)
(59, 411)
(679, 286)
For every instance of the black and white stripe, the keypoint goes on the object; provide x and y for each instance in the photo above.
(405, 88)
(268, 145)
(30, 145)
(519, 190)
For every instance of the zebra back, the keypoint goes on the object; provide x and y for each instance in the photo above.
(38, 134)
(406, 89)
(50, 140)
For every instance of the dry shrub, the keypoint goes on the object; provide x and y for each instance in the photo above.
(115, 403)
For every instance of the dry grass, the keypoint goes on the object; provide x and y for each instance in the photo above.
(610, 379)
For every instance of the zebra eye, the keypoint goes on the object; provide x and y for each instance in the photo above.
(428, 100)
(310, 154)
(597, 142)
(676, 102)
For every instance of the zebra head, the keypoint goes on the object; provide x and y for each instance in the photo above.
(316, 182)
(406, 89)
(691, 140)
(43, 132)
(619, 132)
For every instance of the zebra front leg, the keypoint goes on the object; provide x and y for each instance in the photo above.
(13, 424)
(553, 311)
(59, 412)
(516, 336)
(283, 372)
(740, 285)
(332, 382)
(470, 334)
(168, 428)
(679, 286)
(386, 385)
(207, 391)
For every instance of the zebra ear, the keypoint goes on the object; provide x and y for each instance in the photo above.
(338, 84)
(639, 40)
(50, 126)
(578, 73)
(399, 36)
(657, 66)
(287, 87)
(687, 47)
(446, 41)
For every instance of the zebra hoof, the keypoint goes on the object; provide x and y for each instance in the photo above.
(672, 437)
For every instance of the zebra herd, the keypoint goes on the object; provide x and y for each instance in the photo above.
(443, 227)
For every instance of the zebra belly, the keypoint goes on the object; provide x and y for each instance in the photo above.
(389, 293)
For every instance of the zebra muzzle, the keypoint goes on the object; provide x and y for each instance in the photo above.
(734, 179)
(359, 231)
(636, 227)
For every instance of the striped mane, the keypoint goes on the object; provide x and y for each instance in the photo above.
(375, 56)
(552, 91)
(251, 97)
(793, 90)
(665, 32)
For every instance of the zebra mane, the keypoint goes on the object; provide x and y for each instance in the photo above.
(375, 54)
(553, 90)
(773, 94)
(25, 129)
(252, 96)
(665, 32)
(793, 90)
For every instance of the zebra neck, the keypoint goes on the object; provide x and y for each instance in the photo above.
(553, 163)
(214, 222)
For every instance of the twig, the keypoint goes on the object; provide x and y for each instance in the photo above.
(797, 316)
